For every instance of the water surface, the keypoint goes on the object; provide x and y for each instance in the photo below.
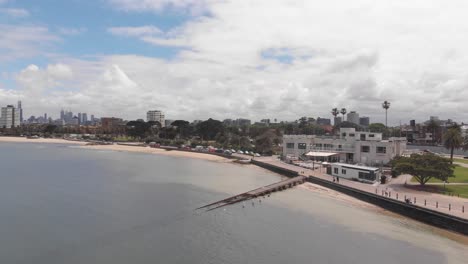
(62, 204)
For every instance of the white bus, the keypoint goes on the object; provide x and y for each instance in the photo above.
(360, 173)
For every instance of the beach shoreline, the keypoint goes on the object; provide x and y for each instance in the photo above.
(39, 140)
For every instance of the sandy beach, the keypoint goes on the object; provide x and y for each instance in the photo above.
(39, 140)
(158, 151)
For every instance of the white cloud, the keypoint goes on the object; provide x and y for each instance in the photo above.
(195, 6)
(134, 31)
(72, 31)
(282, 59)
(24, 41)
(14, 12)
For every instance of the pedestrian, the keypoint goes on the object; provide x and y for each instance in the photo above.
(333, 179)
(337, 180)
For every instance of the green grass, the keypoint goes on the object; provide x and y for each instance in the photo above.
(461, 175)
(461, 160)
(455, 190)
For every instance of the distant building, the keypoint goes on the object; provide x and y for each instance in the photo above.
(84, 118)
(265, 122)
(337, 120)
(353, 117)
(364, 121)
(20, 110)
(79, 118)
(350, 146)
(243, 122)
(10, 117)
(156, 116)
(323, 121)
(110, 123)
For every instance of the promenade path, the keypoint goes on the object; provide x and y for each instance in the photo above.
(433, 201)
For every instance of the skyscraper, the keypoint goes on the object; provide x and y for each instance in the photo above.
(79, 118)
(353, 117)
(10, 117)
(84, 118)
(20, 110)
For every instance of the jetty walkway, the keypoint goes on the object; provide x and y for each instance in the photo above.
(262, 191)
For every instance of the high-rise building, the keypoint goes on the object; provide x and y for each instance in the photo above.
(84, 118)
(45, 116)
(353, 117)
(20, 110)
(364, 121)
(79, 118)
(62, 115)
(10, 117)
(156, 116)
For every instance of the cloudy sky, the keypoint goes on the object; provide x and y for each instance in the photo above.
(196, 59)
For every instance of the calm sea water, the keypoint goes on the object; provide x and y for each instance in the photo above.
(63, 204)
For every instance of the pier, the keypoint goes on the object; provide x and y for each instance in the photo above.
(262, 191)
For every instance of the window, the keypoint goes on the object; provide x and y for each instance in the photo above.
(381, 150)
(365, 149)
(318, 145)
(301, 145)
(343, 134)
(371, 135)
(290, 145)
(328, 146)
(343, 171)
(335, 170)
(366, 176)
(363, 137)
(351, 134)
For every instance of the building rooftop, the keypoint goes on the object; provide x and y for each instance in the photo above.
(355, 166)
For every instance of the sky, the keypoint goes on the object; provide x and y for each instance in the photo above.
(200, 59)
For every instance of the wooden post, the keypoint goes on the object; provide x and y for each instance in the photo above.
(463, 209)
(424, 202)
(437, 204)
(397, 196)
(414, 200)
(449, 207)
(390, 194)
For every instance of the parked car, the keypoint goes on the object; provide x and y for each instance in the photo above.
(240, 152)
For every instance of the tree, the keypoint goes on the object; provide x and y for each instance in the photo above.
(209, 129)
(386, 106)
(343, 112)
(423, 167)
(453, 140)
(335, 112)
(264, 143)
(377, 128)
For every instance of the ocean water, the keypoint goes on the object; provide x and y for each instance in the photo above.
(64, 204)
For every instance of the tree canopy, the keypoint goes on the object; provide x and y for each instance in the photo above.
(423, 167)
(209, 129)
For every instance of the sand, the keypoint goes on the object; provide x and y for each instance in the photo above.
(174, 153)
(39, 140)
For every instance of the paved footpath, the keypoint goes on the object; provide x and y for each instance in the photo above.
(396, 186)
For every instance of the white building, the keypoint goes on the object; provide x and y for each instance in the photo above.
(349, 146)
(348, 171)
(353, 117)
(10, 117)
(464, 130)
(156, 116)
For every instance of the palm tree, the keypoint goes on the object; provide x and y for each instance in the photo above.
(386, 106)
(335, 112)
(343, 112)
(453, 140)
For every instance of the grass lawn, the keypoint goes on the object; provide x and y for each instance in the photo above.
(456, 190)
(461, 175)
(461, 160)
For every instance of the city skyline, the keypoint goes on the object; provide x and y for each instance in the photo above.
(202, 59)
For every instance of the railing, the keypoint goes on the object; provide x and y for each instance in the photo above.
(347, 150)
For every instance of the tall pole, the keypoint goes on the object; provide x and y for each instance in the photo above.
(386, 118)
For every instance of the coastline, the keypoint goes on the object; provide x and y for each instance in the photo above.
(157, 151)
(39, 140)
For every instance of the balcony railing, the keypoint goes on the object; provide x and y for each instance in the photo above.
(323, 149)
